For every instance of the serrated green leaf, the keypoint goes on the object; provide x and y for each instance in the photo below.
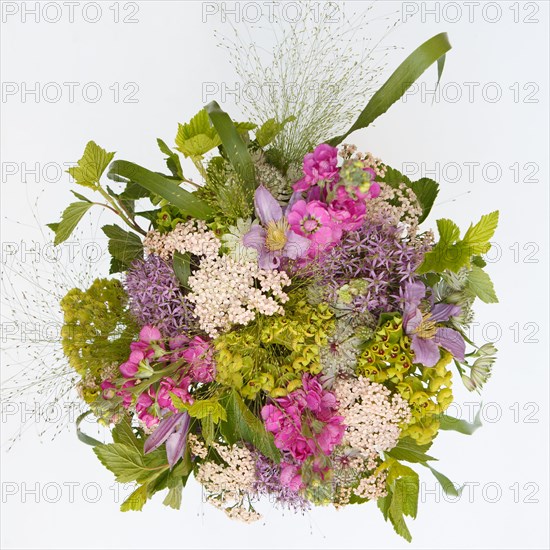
(69, 220)
(481, 285)
(478, 261)
(270, 129)
(123, 245)
(136, 500)
(405, 490)
(202, 408)
(400, 81)
(243, 425)
(124, 434)
(125, 462)
(182, 267)
(451, 253)
(91, 166)
(481, 233)
(174, 496)
(188, 203)
(197, 146)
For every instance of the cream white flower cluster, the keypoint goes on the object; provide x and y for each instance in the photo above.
(229, 486)
(227, 291)
(192, 236)
(372, 416)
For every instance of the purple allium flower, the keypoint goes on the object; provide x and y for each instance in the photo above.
(380, 259)
(426, 336)
(268, 482)
(155, 296)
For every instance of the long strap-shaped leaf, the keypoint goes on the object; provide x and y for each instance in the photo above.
(187, 202)
(235, 147)
(400, 81)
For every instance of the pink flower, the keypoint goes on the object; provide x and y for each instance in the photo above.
(313, 221)
(167, 387)
(319, 165)
(199, 355)
(290, 477)
(287, 422)
(144, 403)
(149, 333)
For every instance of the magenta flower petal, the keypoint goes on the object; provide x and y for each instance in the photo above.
(149, 333)
(128, 369)
(426, 351)
(452, 341)
(267, 207)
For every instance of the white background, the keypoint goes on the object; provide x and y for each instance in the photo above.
(169, 53)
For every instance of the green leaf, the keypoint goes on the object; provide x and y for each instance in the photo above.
(172, 160)
(202, 408)
(481, 233)
(136, 500)
(197, 137)
(446, 484)
(174, 496)
(188, 203)
(123, 245)
(426, 191)
(81, 435)
(452, 253)
(125, 462)
(80, 197)
(182, 267)
(270, 129)
(207, 428)
(91, 166)
(402, 499)
(234, 146)
(400, 81)
(481, 285)
(69, 220)
(408, 450)
(479, 261)
(457, 425)
(243, 425)
(124, 434)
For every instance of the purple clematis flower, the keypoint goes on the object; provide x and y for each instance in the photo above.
(422, 327)
(172, 431)
(273, 239)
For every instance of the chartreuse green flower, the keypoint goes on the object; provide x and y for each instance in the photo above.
(97, 331)
(272, 353)
(387, 360)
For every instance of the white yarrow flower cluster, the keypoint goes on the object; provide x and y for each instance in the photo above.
(227, 291)
(192, 236)
(372, 415)
(229, 486)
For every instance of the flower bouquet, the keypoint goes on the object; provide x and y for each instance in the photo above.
(286, 328)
